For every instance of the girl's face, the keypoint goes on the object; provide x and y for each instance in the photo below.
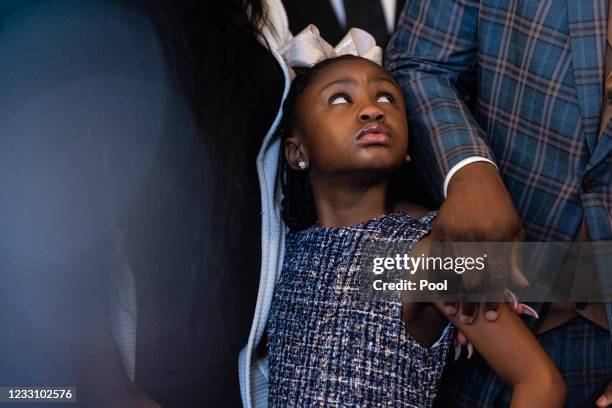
(350, 119)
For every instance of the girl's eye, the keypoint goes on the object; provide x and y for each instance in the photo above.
(338, 99)
(385, 98)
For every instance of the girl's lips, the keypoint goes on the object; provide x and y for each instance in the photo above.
(375, 134)
(367, 139)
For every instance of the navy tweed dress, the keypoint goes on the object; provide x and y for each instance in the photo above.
(329, 348)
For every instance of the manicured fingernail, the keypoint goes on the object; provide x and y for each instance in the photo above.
(529, 311)
(450, 310)
(512, 297)
(457, 351)
(491, 315)
(470, 350)
(466, 319)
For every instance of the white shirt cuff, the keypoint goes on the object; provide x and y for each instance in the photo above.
(460, 165)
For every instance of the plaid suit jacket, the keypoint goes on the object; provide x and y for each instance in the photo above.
(538, 67)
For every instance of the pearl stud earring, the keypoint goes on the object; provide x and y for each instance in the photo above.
(302, 164)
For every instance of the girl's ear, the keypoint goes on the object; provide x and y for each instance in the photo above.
(295, 153)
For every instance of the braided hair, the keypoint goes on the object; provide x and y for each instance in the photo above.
(298, 206)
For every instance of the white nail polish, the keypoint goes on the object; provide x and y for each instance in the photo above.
(512, 297)
(529, 311)
(470, 350)
(457, 351)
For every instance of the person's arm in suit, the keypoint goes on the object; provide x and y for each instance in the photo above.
(432, 56)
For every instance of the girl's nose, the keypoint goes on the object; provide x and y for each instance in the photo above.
(371, 113)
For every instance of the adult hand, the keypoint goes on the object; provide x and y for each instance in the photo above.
(478, 208)
(606, 398)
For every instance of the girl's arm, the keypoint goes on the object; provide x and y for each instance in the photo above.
(516, 356)
(512, 351)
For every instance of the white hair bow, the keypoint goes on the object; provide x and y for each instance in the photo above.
(309, 48)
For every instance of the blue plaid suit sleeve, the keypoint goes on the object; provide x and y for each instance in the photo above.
(432, 56)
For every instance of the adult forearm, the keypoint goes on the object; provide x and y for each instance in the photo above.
(431, 55)
(443, 131)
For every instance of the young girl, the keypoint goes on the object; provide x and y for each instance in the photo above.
(345, 133)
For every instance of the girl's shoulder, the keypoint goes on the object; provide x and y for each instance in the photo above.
(414, 210)
(407, 220)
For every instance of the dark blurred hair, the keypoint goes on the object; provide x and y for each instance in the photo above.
(216, 40)
(210, 36)
(298, 207)
(211, 46)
